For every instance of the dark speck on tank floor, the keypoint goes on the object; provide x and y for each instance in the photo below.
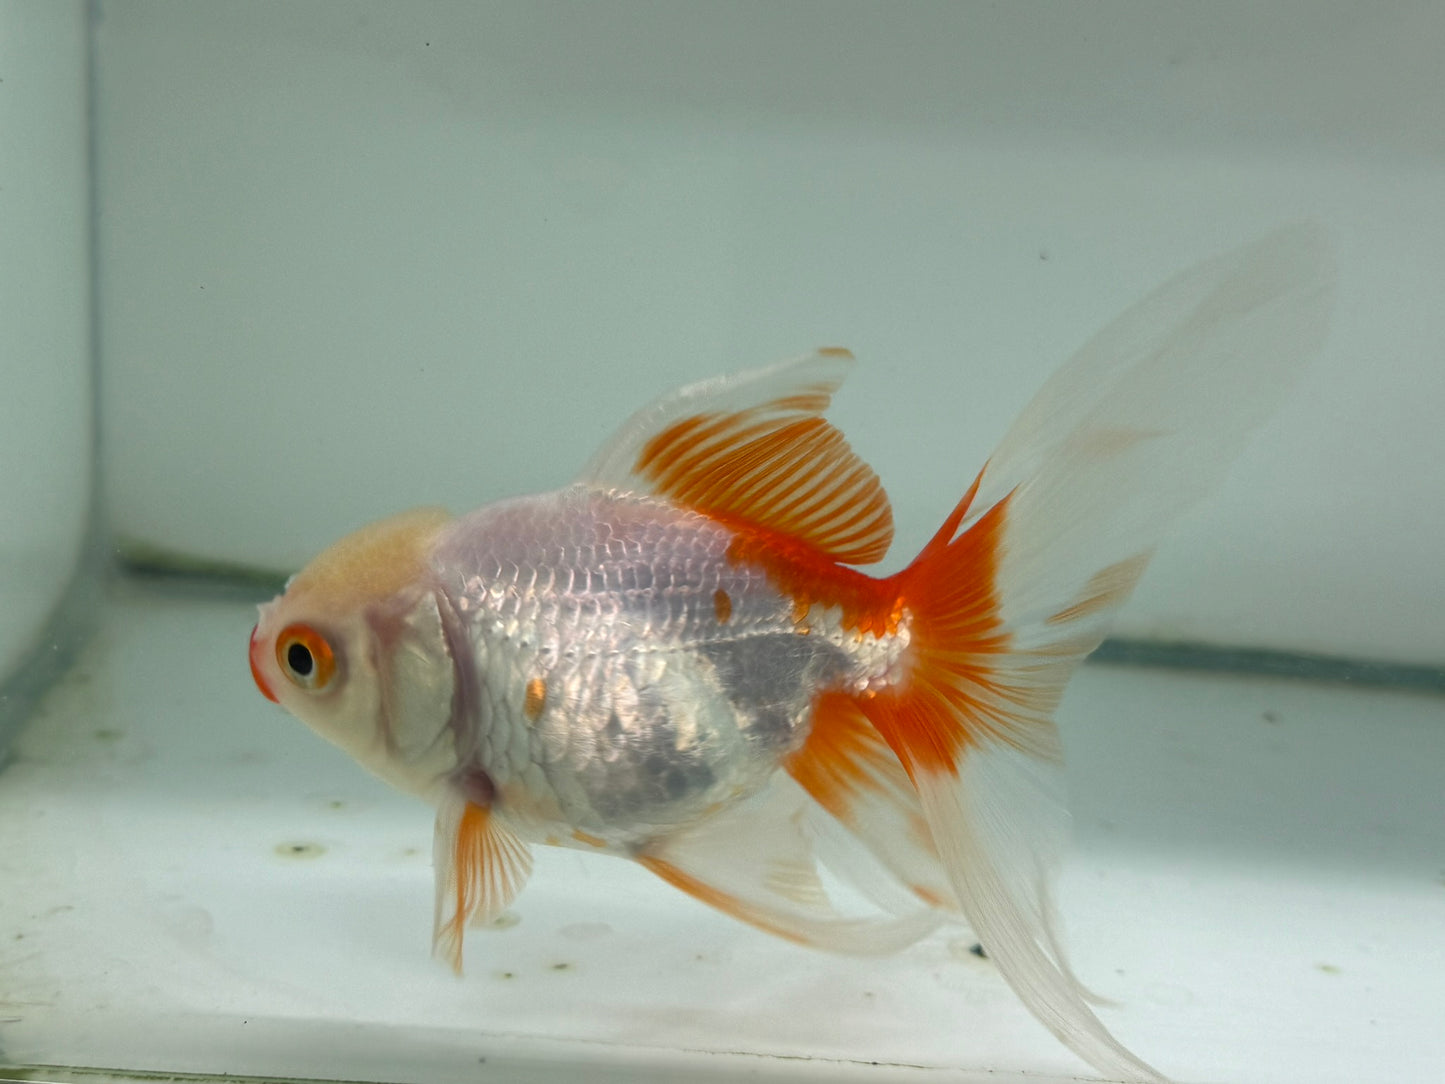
(300, 850)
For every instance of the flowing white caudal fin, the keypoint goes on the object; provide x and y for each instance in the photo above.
(1149, 415)
(1020, 583)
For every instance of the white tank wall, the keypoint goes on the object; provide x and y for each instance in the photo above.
(45, 391)
(362, 256)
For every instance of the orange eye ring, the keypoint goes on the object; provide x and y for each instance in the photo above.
(305, 657)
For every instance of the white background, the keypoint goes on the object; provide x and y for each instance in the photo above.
(361, 256)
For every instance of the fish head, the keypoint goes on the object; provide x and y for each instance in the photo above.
(354, 648)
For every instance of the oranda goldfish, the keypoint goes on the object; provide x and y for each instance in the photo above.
(674, 659)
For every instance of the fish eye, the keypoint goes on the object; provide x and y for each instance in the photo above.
(305, 657)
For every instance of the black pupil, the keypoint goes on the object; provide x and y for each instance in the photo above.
(298, 657)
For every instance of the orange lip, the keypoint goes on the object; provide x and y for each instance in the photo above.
(257, 647)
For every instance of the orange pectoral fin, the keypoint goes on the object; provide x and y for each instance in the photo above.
(481, 865)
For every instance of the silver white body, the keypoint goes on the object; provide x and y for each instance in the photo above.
(658, 707)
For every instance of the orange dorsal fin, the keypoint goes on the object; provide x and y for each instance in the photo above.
(754, 447)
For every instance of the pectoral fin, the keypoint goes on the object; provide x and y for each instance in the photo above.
(481, 865)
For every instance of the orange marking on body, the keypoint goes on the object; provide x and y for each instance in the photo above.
(810, 578)
(588, 838)
(722, 606)
(536, 699)
(371, 563)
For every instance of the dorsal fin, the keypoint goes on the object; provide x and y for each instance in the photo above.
(755, 447)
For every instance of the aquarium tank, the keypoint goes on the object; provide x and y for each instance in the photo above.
(273, 271)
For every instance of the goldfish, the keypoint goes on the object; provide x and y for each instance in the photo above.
(679, 660)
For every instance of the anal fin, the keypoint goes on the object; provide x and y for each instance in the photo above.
(756, 863)
(851, 772)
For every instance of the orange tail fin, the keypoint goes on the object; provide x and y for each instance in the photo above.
(972, 725)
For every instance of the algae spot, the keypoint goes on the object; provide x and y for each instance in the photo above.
(300, 850)
(964, 949)
(109, 735)
(1328, 969)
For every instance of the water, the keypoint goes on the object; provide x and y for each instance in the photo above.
(273, 271)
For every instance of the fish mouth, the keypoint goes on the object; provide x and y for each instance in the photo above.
(257, 654)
